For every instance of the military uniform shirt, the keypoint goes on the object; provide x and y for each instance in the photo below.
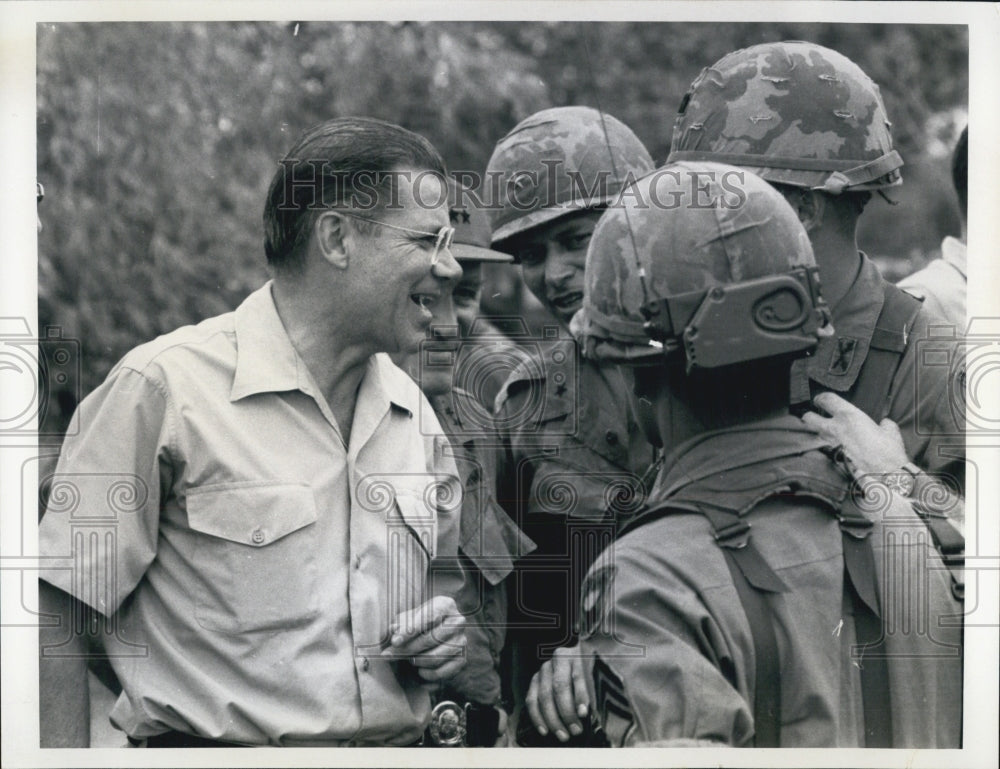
(669, 644)
(251, 561)
(490, 543)
(925, 397)
(573, 465)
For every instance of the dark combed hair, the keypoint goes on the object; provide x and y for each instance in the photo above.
(960, 171)
(346, 162)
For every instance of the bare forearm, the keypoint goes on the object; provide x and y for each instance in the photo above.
(64, 702)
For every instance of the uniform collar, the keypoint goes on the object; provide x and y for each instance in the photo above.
(954, 252)
(837, 360)
(266, 361)
(718, 451)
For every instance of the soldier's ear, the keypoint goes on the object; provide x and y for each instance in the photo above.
(810, 207)
(329, 237)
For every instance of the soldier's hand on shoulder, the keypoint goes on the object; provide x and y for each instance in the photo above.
(871, 448)
(557, 698)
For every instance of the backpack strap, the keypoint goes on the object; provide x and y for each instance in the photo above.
(889, 341)
(755, 581)
(949, 542)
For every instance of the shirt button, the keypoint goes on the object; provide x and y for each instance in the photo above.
(257, 536)
(357, 562)
(365, 665)
(611, 437)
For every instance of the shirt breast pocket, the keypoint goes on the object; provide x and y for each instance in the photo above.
(254, 556)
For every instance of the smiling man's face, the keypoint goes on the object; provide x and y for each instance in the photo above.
(402, 283)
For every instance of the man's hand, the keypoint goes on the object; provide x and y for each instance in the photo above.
(871, 448)
(431, 637)
(557, 698)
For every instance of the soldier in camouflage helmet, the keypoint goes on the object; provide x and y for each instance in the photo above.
(574, 455)
(731, 609)
(812, 123)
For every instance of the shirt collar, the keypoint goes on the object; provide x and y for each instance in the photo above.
(266, 361)
(386, 382)
(265, 358)
(954, 252)
(837, 360)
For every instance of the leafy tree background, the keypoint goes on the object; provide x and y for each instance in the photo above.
(156, 142)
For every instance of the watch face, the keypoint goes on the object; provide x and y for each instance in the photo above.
(901, 483)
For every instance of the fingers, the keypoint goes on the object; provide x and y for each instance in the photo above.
(423, 618)
(815, 421)
(557, 698)
(891, 428)
(563, 694)
(438, 656)
(449, 633)
(581, 695)
(834, 405)
(531, 702)
(547, 705)
(438, 668)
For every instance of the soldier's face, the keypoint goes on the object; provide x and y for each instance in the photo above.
(553, 257)
(466, 296)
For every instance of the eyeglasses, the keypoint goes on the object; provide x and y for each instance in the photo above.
(39, 192)
(442, 238)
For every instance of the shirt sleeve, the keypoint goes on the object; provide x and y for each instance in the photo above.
(99, 531)
(657, 656)
(927, 401)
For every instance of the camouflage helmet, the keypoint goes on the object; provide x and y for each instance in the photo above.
(702, 257)
(794, 113)
(471, 242)
(558, 161)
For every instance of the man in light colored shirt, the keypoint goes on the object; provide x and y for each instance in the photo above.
(942, 284)
(250, 512)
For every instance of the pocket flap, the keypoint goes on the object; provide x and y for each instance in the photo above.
(492, 541)
(254, 515)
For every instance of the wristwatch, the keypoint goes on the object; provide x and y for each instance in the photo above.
(904, 480)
